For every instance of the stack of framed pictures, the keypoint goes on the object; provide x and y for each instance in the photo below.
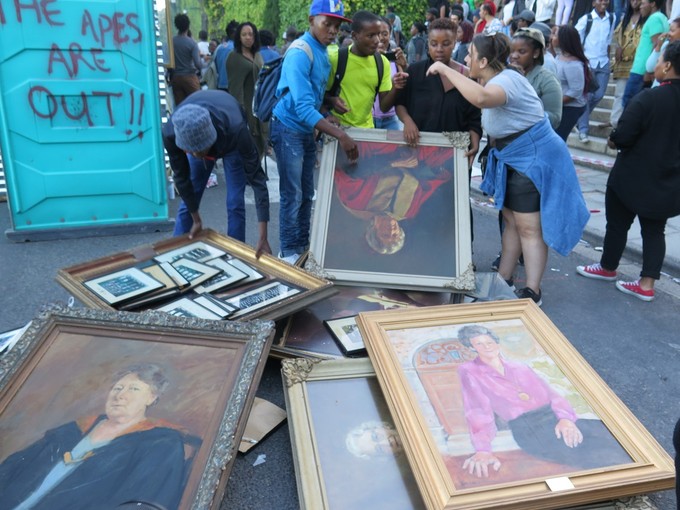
(209, 277)
(327, 329)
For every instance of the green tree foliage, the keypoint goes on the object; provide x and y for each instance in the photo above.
(294, 12)
(408, 10)
(278, 15)
(272, 17)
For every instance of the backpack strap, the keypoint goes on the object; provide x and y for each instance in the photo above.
(381, 70)
(589, 25)
(343, 57)
(301, 45)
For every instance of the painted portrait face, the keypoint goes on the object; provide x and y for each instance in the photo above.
(129, 398)
(387, 229)
(247, 37)
(377, 440)
(440, 45)
(486, 347)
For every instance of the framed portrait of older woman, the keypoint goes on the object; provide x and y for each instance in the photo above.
(99, 409)
(342, 434)
(496, 409)
(397, 217)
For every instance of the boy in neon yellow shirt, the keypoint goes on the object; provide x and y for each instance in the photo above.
(354, 106)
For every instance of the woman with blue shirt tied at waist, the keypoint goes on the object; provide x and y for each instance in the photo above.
(529, 173)
(301, 89)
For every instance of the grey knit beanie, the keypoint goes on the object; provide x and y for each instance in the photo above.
(194, 130)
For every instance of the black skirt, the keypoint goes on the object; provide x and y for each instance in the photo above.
(520, 193)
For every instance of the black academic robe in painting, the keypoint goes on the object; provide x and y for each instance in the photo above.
(145, 464)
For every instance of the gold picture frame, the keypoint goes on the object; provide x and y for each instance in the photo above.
(312, 287)
(435, 390)
(335, 411)
(200, 378)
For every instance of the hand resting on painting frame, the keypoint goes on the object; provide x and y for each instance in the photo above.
(542, 422)
(102, 461)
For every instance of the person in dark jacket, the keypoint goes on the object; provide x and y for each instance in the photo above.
(211, 124)
(645, 179)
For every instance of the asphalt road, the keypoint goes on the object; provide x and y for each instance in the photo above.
(632, 345)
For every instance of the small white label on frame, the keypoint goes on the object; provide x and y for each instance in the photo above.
(559, 484)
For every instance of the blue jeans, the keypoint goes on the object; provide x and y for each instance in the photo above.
(619, 10)
(636, 83)
(601, 75)
(295, 159)
(236, 185)
(391, 122)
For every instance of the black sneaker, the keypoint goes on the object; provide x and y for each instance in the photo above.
(527, 293)
(496, 263)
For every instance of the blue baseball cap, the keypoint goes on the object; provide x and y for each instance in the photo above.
(332, 8)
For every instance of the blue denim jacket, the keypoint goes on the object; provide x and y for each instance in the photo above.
(543, 157)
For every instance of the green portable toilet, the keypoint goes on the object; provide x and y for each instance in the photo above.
(80, 118)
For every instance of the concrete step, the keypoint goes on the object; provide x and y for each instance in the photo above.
(607, 102)
(600, 115)
(596, 145)
(595, 128)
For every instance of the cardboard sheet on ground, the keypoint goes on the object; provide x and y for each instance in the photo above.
(264, 417)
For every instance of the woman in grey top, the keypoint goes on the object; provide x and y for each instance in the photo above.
(530, 173)
(187, 62)
(571, 71)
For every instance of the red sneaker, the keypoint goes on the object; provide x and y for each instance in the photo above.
(597, 272)
(634, 289)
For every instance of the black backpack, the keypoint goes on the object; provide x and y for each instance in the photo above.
(264, 97)
(343, 57)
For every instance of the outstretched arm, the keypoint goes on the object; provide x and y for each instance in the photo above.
(490, 96)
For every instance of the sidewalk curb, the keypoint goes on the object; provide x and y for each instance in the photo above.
(604, 165)
(671, 265)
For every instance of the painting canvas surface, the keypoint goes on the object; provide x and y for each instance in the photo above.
(408, 187)
(465, 404)
(67, 394)
(356, 439)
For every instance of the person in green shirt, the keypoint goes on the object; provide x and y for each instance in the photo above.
(354, 104)
(656, 24)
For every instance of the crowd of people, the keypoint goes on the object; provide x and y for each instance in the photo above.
(477, 67)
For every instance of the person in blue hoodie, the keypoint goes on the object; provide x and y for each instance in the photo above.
(296, 116)
(529, 172)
